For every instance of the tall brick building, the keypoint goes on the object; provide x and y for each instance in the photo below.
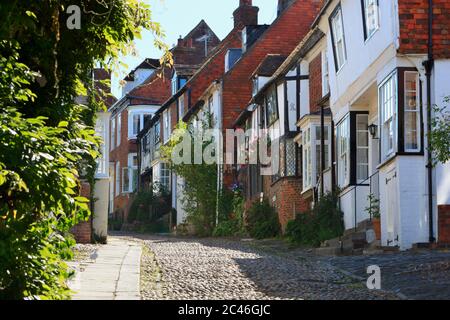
(145, 90)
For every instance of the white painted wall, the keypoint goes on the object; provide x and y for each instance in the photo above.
(349, 209)
(361, 54)
(100, 215)
(304, 90)
(292, 104)
(181, 213)
(441, 77)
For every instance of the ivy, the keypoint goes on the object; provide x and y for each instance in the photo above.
(47, 140)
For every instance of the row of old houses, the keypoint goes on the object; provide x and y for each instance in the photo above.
(342, 86)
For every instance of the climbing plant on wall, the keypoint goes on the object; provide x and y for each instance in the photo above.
(46, 139)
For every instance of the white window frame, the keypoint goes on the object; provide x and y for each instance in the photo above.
(119, 129)
(388, 115)
(174, 83)
(338, 38)
(307, 159)
(362, 148)
(310, 142)
(129, 173)
(316, 164)
(131, 115)
(407, 110)
(181, 107)
(118, 177)
(166, 126)
(343, 151)
(325, 74)
(370, 29)
(164, 173)
(101, 128)
(113, 134)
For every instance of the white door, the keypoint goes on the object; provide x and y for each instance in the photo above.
(392, 209)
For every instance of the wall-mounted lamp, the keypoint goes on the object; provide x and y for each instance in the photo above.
(373, 130)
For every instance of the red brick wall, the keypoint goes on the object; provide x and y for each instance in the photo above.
(156, 91)
(315, 83)
(444, 224)
(120, 153)
(413, 16)
(288, 199)
(281, 38)
(83, 231)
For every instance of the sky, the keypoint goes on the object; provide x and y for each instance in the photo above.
(178, 17)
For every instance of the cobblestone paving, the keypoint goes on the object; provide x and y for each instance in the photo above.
(223, 269)
(416, 275)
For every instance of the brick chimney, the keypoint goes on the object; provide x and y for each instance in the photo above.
(246, 14)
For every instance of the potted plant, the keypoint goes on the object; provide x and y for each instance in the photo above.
(374, 212)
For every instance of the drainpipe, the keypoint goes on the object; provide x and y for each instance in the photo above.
(220, 155)
(322, 149)
(428, 69)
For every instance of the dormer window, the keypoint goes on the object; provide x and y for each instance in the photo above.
(177, 83)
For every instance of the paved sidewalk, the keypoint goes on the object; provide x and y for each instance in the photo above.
(113, 273)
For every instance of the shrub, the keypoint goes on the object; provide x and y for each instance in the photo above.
(262, 221)
(231, 212)
(147, 206)
(322, 223)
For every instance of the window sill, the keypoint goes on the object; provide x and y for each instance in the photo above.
(340, 69)
(371, 35)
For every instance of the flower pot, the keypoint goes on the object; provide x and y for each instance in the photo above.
(377, 227)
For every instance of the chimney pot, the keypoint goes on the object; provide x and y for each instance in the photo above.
(246, 14)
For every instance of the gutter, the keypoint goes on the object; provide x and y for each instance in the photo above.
(429, 64)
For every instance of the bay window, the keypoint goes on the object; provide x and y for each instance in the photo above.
(136, 120)
(343, 151)
(312, 154)
(388, 110)
(412, 112)
(400, 114)
(307, 160)
(362, 147)
(337, 37)
(370, 17)
(352, 143)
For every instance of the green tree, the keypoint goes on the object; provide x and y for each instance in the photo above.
(200, 180)
(47, 141)
(440, 133)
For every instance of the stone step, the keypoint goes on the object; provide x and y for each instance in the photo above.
(366, 224)
(328, 251)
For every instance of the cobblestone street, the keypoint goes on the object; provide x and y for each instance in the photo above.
(221, 269)
(415, 275)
